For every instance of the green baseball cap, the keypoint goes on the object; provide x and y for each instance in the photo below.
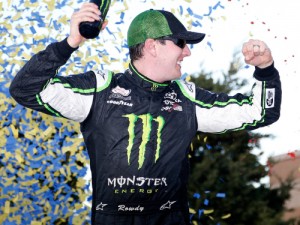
(159, 23)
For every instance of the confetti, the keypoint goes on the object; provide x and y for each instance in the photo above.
(210, 45)
(197, 195)
(220, 195)
(226, 216)
(292, 155)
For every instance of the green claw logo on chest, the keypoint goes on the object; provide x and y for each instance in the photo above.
(147, 123)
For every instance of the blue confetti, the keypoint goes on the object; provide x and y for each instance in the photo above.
(209, 147)
(210, 11)
(198, 16)
(210, 45)
(180, 10)
(121, 18)
(196, 23)
(220, 195)
(196, 195)
(32, 30)
(206, 202)
(200, 211)
(218, 5)
(190, 11)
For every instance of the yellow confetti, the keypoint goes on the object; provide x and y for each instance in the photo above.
(77, 219)
(14, 130)
(37, 48)
(189, 24)
(30, 4)
(56, 194)
(26, 56)
(192, 147)
(56, 209)
(9, 181)
(35, 223)
(64, 19)
(126, 5)
(126, 64)
(10, 168)
(48, 132)
(68, 149)
(56, 173)
(30, 172)
(14, 53)
(46, 219)
(80, 182)
(43, 189)
(226, 216)
(51, 5)
(62, 171)
(17, 218)
(192, 211)
(29, 136)
(68, 170)
(47, 206)
(39, 37)
(206, 211)
(3, 217)
(17, 16)
(19, 158)
(224, 18)
(1, 70)
(7, 207)
(2, 139)
(28, 183)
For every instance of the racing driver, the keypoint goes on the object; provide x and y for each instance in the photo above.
(138, 125)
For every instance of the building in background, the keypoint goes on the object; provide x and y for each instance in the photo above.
(285, 167)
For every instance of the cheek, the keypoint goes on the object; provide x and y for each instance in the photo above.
(169, 58)
(165, 60)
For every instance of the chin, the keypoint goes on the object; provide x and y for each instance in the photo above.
(177, 77)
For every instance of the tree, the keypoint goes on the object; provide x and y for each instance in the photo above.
(224, 186)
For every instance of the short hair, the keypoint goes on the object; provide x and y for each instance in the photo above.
(136, 51)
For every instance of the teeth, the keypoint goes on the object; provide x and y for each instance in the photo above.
(179, 63)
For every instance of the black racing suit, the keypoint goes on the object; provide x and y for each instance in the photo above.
(137, 131)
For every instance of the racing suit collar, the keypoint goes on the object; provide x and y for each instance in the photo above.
(145, 82)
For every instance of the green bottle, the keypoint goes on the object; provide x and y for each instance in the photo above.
(91, 30)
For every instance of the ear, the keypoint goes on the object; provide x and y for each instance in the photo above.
(150, 47)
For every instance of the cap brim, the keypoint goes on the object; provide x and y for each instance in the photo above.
(190, 37)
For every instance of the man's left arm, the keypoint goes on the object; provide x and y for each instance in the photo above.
(218, 113)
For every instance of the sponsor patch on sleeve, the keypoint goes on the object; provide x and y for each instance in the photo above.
(270, 97)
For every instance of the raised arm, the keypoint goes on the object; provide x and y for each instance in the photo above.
(37, 85)
(219, 113)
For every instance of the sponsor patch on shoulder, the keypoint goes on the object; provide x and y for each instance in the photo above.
(270, 97)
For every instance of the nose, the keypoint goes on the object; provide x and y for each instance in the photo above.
(186, 51)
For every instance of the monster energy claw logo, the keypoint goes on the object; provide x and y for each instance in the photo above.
(147, 121)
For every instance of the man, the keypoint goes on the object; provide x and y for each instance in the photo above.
(138, 125)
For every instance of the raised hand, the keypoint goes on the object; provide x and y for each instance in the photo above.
(88, 12)
(257, 53)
